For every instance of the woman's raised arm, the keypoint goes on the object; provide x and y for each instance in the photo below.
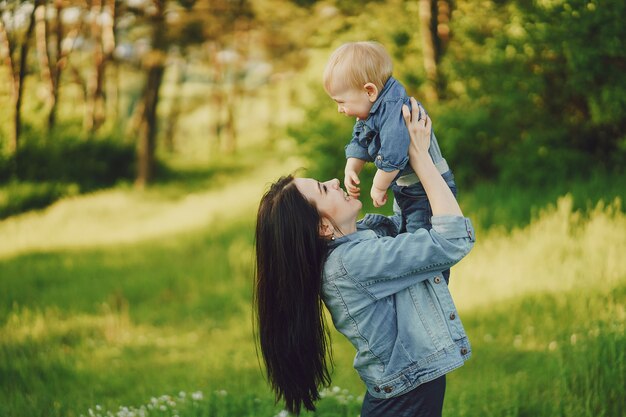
(439, 195)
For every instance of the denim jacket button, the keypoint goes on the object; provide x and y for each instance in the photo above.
(437, 280)
(377, 389)
(463, 351)
(379, 157)
(388, 389)
(452, 316)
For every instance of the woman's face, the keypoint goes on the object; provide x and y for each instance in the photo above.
(330, 199)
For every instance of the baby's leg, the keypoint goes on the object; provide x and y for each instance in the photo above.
(416, 210)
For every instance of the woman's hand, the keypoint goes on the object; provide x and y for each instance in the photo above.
(419, 130)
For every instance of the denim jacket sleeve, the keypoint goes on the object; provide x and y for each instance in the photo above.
(394, 137)
(355, 149)
(386, 265)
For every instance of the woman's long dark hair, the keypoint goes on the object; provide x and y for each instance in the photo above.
(293, 336)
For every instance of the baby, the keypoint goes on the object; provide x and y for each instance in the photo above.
(358, 77)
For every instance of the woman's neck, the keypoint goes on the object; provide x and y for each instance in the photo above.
(347, 228)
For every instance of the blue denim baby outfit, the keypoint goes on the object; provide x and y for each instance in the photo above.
(384, 139)
(386, 294)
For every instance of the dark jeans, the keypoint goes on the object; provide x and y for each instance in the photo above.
(424, 401)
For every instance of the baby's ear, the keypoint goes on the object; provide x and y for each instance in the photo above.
(372, 91)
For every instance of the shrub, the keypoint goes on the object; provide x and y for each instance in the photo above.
(18, 197)
(91, 164)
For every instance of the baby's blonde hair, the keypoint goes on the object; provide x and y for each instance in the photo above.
(355, 64)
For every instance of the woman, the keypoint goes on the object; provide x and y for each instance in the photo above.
(384, 290)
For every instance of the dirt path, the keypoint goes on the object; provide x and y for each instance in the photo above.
(127, 216)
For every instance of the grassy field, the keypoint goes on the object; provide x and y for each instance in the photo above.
(124, 303)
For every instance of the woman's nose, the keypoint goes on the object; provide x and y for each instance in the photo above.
(334, 183)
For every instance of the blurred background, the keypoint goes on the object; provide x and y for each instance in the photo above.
(137, 136)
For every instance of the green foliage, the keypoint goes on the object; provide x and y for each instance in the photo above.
(45, 170)
(18, 197)
(90, 163)
(536, 91)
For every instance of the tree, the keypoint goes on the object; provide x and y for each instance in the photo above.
(102, 30)
(53, 56)
(22, 16)
(190, 23)
(435, 33)
(154, 65)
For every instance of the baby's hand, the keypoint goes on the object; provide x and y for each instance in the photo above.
(379, 197)
(351, 181)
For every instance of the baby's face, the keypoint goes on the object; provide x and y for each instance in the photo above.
(352, 102)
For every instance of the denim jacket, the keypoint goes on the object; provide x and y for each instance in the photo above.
(383, 137)
(386, 294)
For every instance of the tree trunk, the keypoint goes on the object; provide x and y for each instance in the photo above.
(17, 76)
(231, 123)
(148, 125)
(51, 64)
(215, 139)
(61, 59)
(108, 47)
(444, 12)
(7, 55)
(95, 105)
(154, 63)
(43, 55)
(175, 104)
(429, 49)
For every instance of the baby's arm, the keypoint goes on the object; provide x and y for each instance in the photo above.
(351, 179)
(382, 181)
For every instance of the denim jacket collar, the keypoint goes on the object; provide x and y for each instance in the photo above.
(391, 82)
(362, 233)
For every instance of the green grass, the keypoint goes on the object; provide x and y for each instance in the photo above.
(509, 205)
(116, 324)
